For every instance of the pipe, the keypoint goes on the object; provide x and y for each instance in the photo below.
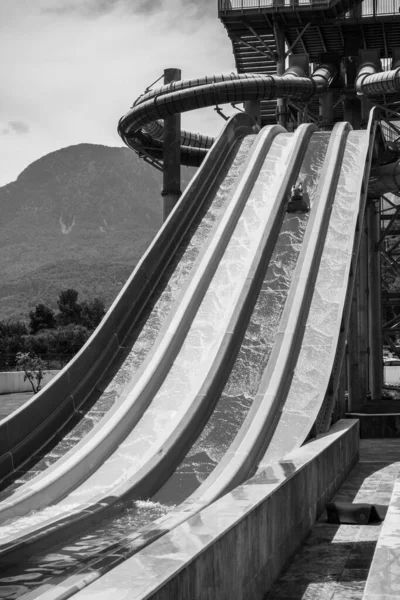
(141, 129)
(371, 83)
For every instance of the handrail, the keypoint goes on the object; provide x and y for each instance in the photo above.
(369, 8)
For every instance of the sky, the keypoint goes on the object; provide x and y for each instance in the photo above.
(71, 68)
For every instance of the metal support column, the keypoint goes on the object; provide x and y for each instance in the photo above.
(353, 356)
(341, 394)
(172, 153)
(326, 111)
(280, 69)
(363, 321)
(366, 106)
(374, 303)
(352, 112)
(253, 108)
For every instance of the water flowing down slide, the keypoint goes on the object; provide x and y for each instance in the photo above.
(96, 378)
(311, 290)
(100, 378)
(300, 239)
(213, 340)
(197, 352)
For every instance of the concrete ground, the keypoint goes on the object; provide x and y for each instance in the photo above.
(334, 561)
(10, 402)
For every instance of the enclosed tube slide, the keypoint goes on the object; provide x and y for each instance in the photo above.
(142, 131)
(370, 82)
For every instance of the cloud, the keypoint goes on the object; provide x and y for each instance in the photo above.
(94, 8)
(85, 61)
(18, 127)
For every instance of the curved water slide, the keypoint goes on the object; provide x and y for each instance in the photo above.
(257, 451)
(180, 380)
(40, 419)
(283, 410)
(30, 428)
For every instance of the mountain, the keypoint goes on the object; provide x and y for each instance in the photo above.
(79, 217)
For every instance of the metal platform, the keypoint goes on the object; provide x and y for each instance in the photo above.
(324, 30)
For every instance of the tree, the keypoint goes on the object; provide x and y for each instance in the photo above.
(92, 313)
(33, 367)
(42, 317)
(12, 338)
(70, 309)
(70, 339)
(12, 328)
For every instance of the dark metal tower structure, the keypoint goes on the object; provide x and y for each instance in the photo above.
(266, 32)
(269, 35)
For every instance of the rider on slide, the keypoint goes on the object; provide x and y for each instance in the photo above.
(297, 203)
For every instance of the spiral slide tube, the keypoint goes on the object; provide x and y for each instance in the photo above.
(266, 221)
(29, 428)
(370, 82)
(141, 130)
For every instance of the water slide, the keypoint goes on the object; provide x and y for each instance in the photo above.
(41, 420)
(330, 162)
(178, 383)
(273, 395)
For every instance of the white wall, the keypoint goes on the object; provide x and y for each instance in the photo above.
(12, 382)
(392, 375)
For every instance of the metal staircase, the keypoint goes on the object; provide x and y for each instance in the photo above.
(254, 54)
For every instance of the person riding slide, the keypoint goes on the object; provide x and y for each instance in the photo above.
(297, 203)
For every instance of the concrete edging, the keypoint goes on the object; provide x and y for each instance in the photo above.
(12, 382)
(383, 582)
(236, 547)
